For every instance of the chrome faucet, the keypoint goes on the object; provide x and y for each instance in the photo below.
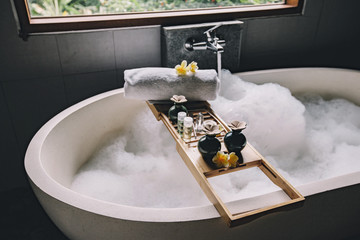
(213, 43)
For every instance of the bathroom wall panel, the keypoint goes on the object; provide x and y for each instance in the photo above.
(281, 41)
(7, 22)
(31, 104)
(85, 52)
(36, 58)
(339, 23)
(81, 86)
(137, 47)
(278, 60)
(120, 77)
(12, 173)
(279, 34)
(282, 34)
(338, 37)
(313, 8)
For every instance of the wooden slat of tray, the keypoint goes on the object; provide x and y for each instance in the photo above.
(201, 171)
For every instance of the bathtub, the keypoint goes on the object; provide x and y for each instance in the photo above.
(330, 211)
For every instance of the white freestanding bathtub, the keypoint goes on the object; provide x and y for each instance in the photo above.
(330, 211)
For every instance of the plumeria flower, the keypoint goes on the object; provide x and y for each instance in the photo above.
(192, 67)
(181, 69)
(233, 159)
(221, 159)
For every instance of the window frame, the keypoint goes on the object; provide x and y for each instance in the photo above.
(28, 26)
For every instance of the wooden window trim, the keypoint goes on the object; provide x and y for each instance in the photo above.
(28, 25)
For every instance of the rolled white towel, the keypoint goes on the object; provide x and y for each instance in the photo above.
(163, 83)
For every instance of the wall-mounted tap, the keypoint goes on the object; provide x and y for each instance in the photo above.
(213, 43)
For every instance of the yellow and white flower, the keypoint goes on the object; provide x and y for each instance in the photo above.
(233, 159)
(192, 67)
(181, 69)
(222, 159)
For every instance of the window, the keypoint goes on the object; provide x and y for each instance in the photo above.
(38, 16)
(51, 8)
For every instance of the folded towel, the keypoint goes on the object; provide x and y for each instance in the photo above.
(163, 83)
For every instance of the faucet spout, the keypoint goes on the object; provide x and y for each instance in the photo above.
(213, 43)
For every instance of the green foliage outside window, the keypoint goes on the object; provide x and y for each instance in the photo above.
(89, 7)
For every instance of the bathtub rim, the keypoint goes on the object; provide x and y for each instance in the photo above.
(45, 183)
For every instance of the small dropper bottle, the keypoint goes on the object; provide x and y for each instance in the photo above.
(188, 128)
(199, 122)
(180, 122)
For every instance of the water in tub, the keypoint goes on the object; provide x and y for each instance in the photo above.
(305, 138)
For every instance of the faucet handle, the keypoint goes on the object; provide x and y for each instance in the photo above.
(209, 31)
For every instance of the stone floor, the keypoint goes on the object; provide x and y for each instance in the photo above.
(22, 218)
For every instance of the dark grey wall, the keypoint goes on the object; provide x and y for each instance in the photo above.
(327, 34)
(46, 74)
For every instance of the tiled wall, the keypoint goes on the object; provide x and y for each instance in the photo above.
(48, 73)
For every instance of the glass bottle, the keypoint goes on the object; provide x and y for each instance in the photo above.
(199, 122)
(180, 122)
(188, 128)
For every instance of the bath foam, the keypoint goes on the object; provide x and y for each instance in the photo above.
(305, 138)
(140, 167)
(268, 109)
(332, 139)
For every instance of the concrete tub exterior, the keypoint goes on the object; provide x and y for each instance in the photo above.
(63, 144)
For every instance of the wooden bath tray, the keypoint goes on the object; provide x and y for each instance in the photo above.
(201, 171)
